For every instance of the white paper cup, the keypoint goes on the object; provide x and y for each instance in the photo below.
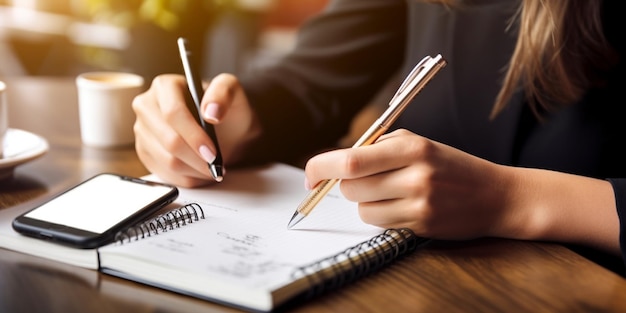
(105, 110)
(4, 116)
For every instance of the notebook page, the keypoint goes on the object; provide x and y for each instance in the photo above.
(244, 239)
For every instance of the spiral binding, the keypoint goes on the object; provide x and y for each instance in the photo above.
(357, 261)
(175, 218)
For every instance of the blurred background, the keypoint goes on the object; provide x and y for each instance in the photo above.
(66, 37)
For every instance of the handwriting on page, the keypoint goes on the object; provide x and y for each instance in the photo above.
(241, 255)
(174, 245)
(248, 246)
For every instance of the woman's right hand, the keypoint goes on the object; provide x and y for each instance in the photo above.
(173, 146)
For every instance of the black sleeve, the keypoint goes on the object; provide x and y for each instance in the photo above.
(619, 188)
(341, 59)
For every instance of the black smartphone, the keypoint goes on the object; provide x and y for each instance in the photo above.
(89, 214)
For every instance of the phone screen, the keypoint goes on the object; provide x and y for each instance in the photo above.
(99, 204)
(89, 213)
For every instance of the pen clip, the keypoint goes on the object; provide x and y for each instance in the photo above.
(421, 74)
(411, 77)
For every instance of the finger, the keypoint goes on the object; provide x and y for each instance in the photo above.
(405, 182)
(226, 105)
(173, 107)
(392, 151)
(163, 163)
(173, 154)
(153, 161)
(157, 133)
(397, 213)
(218, 97)
(420, 217)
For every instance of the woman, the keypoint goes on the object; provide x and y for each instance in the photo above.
(518, 137)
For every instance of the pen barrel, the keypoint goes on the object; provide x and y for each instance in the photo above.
(421, 74)
(318, 193)
(372, 133)
(315, 196)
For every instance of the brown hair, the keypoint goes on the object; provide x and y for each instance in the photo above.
(558, 44)
(560, 48)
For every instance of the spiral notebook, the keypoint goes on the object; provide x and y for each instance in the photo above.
(229, 243)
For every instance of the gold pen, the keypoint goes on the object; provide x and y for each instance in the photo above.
(421, 74)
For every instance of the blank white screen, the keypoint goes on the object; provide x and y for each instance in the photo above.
(99, 204)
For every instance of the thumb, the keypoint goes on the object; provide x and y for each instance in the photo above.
(218, 97)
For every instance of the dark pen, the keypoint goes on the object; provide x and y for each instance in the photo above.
(195, 88)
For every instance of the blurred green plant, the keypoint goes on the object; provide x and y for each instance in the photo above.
(151, 23)
(151, 28)
(166, 14)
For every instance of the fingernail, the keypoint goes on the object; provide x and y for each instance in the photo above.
(210, 113)
(206, 154)
(307, 186)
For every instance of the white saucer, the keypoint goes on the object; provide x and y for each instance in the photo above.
(20, 147)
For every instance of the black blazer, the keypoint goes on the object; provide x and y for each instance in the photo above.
(345, 55)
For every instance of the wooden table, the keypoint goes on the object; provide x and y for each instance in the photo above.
(487, 275)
